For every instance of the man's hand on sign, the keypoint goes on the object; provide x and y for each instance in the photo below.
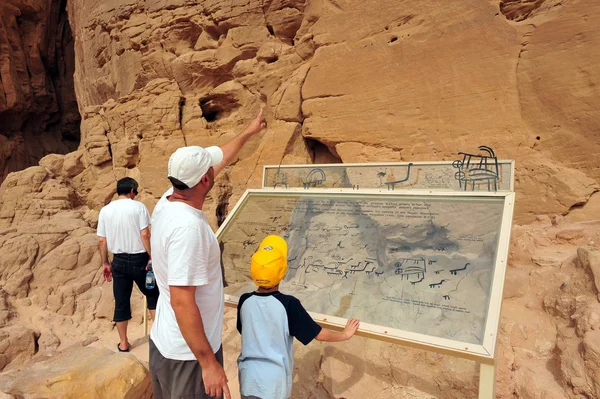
(258, 124)
(215, 380)
(107, 272)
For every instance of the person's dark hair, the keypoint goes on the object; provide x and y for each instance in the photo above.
(125, 185)
(177, 184)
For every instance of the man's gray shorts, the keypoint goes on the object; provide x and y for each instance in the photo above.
(177, 379)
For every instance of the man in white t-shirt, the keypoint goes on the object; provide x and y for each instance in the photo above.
(123, 230)
(186, 355)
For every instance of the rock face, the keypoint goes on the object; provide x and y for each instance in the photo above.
(80, 373)
(348, 82)
(352, 81)
(17, 345)
(38, 108)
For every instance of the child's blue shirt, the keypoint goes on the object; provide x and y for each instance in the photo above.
(268, 323)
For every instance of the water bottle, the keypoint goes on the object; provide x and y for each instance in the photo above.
(150, 281)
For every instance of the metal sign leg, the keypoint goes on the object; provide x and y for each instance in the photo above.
(145, 317)
(487, 381)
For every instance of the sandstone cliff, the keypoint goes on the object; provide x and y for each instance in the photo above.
(341, 81)
(38, 108)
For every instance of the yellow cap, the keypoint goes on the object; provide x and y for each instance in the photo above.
(269, 263)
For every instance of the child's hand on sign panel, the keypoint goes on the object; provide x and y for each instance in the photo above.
(351, 328)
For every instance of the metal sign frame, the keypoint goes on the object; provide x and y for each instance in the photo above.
(505, 163)
(484, 353)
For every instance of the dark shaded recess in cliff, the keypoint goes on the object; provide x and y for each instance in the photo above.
(519, 10)
(45, 118)
(321, 153)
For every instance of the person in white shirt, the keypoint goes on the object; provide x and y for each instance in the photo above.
(123, 230)
(186, 355)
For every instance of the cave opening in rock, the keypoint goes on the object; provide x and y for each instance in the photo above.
(209, 113)
(321, 153)
(218, 106)
(38, 109)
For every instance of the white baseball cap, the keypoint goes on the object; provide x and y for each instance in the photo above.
(189, 164)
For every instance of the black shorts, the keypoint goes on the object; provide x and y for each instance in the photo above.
(127, 268)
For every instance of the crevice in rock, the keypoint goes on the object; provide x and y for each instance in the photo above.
(181, 105)
(517, 80)
(223, 204)
(36, 344)
(248, 89)
(325, 96)
(291, 143)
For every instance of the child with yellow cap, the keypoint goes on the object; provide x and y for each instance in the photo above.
(268, 321)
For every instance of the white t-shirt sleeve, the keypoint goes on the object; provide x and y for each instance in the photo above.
(144, 217)
(187, 256)
(101, 228)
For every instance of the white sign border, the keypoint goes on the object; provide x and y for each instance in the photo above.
(484, 353)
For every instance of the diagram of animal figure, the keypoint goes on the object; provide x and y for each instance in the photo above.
(455, 271)
(357, 267)
(418, 281)
(437, 285)
(447, 297)
(391, 183)
(336, 264)
(473, 172)
(339, 267)
(280, 179)
(315, 178)
(307, 263)
(407, 267)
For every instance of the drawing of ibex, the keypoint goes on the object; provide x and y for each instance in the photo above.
(436, 285)
(391, 183)
(454, 271)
